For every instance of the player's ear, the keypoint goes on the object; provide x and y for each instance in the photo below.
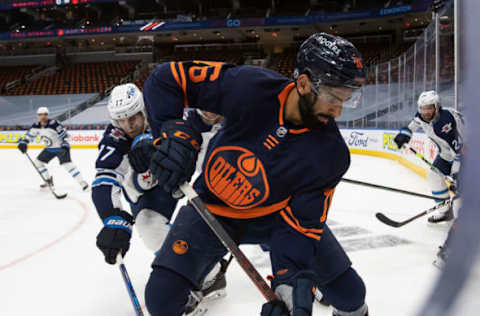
(303, 84)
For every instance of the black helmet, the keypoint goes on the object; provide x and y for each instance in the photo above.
(329, 60)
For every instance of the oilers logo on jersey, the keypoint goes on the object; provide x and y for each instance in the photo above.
(237, 177)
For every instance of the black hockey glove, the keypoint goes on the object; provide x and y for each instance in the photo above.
(141, 152)
(274, 308)
(295, 290)
(65, 147)
(176, 154)
(115, 235)
(401, 139)
(22, 146)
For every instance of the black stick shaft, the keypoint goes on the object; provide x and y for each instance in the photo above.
(61, 196)
(392, 189)
(228, 242)
(35, 167)
(388, 221)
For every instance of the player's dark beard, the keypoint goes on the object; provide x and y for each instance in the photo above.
(309, 119)
(429, 118)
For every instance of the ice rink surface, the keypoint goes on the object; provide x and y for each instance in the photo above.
(49, 264)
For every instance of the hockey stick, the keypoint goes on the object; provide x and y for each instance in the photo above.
(390, 222)
(392, 189)
(228, 242)
(432, 166)
(58, 196)
(129, 286)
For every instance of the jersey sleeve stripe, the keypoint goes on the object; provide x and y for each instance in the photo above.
(273, 139)
(291, 220)
(181, 80)
(105, 181)
(105, 173)
(282, 98)
(269, 141)
(184, 84)
(101, 170)
(175, 73)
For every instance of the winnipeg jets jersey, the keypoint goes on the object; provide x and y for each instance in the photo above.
(52, 135)
(446, 132)
(115, 174)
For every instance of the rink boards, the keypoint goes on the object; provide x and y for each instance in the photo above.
(373, 142)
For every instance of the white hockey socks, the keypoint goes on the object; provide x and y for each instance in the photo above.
(74, 172)
(42, 168)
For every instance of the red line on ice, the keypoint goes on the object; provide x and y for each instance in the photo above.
(54, 242)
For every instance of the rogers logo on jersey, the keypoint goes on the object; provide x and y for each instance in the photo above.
(237, 177)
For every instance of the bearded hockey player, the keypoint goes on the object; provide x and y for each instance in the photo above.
(269, 173)
(444, 126)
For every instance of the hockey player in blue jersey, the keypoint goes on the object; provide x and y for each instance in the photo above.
(151, 206)
(269, 174)
(444, 126)
(55, 138)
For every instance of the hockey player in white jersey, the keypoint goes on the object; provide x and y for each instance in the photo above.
(444, 126)
(151, 206)
(55, 138)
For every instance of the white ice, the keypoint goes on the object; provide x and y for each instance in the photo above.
(49, 264)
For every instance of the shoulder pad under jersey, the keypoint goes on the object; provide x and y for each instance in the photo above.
(116, 137)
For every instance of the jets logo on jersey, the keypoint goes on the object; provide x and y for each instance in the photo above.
(46, 140)
(447, 128)
(117, 134)
(147, 175)
(237, 177)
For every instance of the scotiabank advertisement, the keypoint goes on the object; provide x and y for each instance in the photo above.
(361, 141)
(77, 138)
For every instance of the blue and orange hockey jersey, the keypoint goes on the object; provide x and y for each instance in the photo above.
(258, 163)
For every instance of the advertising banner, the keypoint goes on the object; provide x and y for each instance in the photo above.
(380, 143)
(374, 142)
(77, 138)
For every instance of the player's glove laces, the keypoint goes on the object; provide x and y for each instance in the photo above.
(176, 153)
(115, 235)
